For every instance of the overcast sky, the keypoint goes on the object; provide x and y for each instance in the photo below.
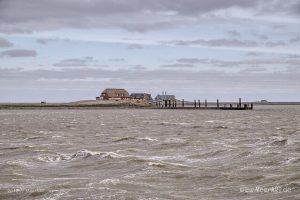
(67, 50)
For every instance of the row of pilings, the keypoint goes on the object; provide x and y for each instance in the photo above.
(197, 104)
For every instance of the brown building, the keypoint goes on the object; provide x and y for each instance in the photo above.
(141, 96)
(114, 93)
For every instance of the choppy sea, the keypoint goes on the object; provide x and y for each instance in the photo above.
(150, 154)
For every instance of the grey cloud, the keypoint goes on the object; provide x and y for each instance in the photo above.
(5, 43)
(296, 8)
(261, 36)
(138, 67)
(36, 15)
(76, 73)
(234, 33)
(215, 43)
(135, 46)
(192, 60)
(184, 83)
(192, 78)
(295, 39)
(254, 54)
(177, 65)
(275, 44)
(253, 69)
(293, 69)
(76, 62)
(41, 41)
(18, 53)
(276, 61)
(117, 60)
(224, 43)
(278, 26)
(145, 25)
(293, 61)
(44, 41)
(293, 56)
(78, 8)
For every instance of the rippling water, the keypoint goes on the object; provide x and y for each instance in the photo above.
(150, 154)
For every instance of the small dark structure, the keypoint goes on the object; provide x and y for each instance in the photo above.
(114, 93)
(264, 101)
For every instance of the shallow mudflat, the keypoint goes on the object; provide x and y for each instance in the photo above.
(150, 154)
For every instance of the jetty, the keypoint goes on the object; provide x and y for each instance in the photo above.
(197, 104)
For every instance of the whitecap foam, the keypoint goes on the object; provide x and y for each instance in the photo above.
(148, 139)
(212, 121)
(110, 155)
(165, 164)
(156, 164)
(291, 160)
(110, 181)
(86, 153)
(176, 123)
(23, 163)
(54, 158)
(174, 141)
(56, 136)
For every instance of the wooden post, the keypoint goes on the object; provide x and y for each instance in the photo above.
(183, 103)
(199, 103)
(230, 105)
(218, 105)
(166, 103)
(205, 103)
(251, 106)
(195, 104)
(240, 103)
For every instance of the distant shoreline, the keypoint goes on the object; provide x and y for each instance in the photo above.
(276, 103)
(63, 106)
(109, 104)
(74, 105)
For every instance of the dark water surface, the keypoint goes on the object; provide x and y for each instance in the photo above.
(150, 154)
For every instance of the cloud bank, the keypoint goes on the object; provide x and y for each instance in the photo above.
(19, 16)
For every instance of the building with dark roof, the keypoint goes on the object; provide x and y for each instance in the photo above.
(141, 96)
(162, 97)
(114, 93)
